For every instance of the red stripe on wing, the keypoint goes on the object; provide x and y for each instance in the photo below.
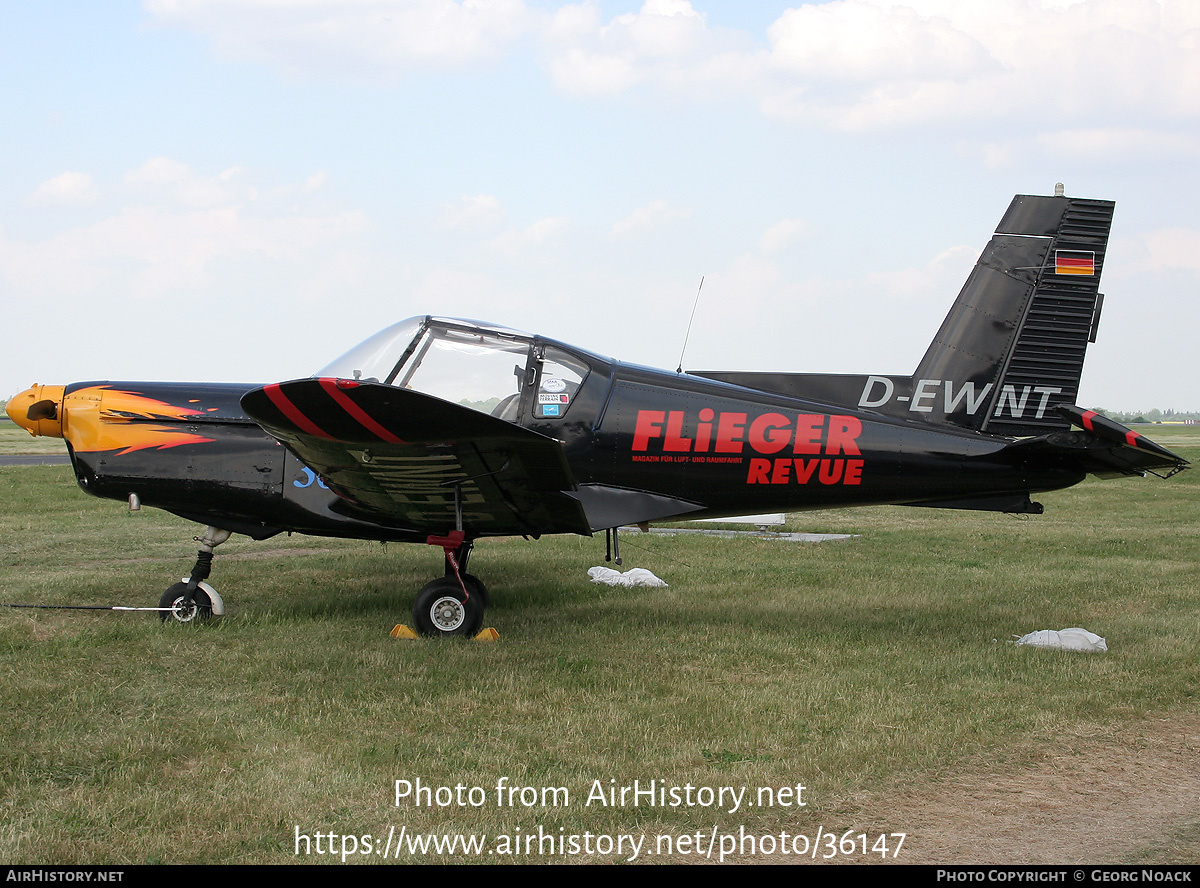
(360, 416)
(292, 412)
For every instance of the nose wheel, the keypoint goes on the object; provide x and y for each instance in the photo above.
(197, 610)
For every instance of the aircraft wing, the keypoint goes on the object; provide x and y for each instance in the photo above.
(395, 456)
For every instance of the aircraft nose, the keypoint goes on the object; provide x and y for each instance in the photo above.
(38, 410)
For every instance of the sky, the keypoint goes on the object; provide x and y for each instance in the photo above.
(241, 190)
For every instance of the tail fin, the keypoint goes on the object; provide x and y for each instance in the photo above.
(1014, 341)
(1011, 349)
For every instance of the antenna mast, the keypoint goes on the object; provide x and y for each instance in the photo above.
(679, 369)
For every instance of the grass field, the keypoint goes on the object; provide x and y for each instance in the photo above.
(14, 439)
(863, 669)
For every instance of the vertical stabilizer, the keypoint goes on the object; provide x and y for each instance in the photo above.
(1013, 344)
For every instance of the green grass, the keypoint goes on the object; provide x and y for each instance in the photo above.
(857, 668)
(14, 439)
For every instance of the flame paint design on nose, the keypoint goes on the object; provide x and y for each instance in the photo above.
(101, 418)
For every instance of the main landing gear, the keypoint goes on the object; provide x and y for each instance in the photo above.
(192, 600)
(451, 605)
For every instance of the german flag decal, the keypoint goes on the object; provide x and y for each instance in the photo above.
(1074, 262)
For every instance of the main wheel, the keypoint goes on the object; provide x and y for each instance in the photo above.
(201, 609)
(442, 610)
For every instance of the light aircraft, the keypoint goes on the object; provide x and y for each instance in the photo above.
(445, 431)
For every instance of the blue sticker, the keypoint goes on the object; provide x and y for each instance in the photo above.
(549, 410)
(309, 477)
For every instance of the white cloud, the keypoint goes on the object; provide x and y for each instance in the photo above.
(855, 65)
(69, 189)
(581, 72)
(482, 215)
(154, 251)
(862, 65)
(1167, 249)
(943, 274)
(534, 235)
(159, 171)
(646, 219)
(868, 42)
(380, 38)
(173, 227)
(783, 234)
(745, 285)
(667, 44)
(997, 155)
(477, 212)
(662, 29)
(1119, 143)
(162, 179)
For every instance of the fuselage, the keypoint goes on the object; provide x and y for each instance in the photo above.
(710, 448)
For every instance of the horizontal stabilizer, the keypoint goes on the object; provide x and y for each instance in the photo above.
(1104, 447)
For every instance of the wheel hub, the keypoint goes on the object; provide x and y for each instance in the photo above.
(182, 614)
(447, 613)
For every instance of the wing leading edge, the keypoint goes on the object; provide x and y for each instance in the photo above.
(396, 456)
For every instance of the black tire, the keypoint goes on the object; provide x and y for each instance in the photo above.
(201, 610)
(442, 611)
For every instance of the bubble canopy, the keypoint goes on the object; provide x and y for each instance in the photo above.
(461, 361)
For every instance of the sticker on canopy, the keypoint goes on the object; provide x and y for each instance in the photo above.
(554, 399)
(553, 384)
(549, 410)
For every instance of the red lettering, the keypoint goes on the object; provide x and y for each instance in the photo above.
(648, 426)
(831, 471)
(769, 433)
(704, 430)
(730, 428)
(843, 433)
(808, 433)
(758, 471)
(805, 469)
(674, 440)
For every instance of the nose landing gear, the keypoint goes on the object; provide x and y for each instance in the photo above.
(192, 600)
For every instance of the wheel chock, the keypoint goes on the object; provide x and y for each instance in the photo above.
(402, 631)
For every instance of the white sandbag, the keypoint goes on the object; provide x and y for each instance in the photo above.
(637, 576)
(1065, 640)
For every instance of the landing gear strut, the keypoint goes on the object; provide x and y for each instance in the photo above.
(192, 599)
(451, 605)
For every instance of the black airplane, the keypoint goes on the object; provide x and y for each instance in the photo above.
(444, 431)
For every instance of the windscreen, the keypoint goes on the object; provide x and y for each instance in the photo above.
(479, 370)
(376, 359)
